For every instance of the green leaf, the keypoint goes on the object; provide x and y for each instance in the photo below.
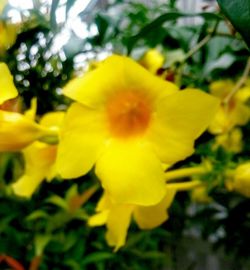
(36, 215)
(58, 201)
(238, 12)
(159, 21)
(97, 257)
(223, 62)
(41, 242)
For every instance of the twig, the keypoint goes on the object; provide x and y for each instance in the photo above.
(198, 46)
(239, 84)
(203, 42)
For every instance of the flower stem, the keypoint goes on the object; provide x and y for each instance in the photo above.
(184, 185)
(186, 172)
(240, 82)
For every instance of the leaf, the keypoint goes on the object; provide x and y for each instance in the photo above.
(58, 201)
(41, 242)
(159, 21)
(223, 62)
(238, 12)
(36, 215)
(97, 257)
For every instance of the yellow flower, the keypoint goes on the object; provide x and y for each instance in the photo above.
(8, 34)
(39, 160)
(235, 113)
(152, 60)
(117, 217)
(7, 87)
(240, 180)
(230, 141)
(129, 122)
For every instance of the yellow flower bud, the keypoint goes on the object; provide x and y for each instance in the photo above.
(200, 195)
(152, 60)
(240, 181)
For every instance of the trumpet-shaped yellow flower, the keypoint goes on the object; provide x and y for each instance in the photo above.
(152, 60)
(117, 217)
(129, 122)
(39, 160)
(7, 87)
(239, 181)
(230, 141)
(233, 113)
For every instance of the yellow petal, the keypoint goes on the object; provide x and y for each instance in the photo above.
(116, 73)
(31, 112)
(240, 114)
(131, 173)
(221, 88)
(81, 140)
(180, 118)
(17, 131)
(243, 94)
(39, 164)
(27, 184)
(152, 60)
(7, 87)
(98, 219)
(152, 216)
(221, 122)
(52, 119)
(7, 36)
(117, 224)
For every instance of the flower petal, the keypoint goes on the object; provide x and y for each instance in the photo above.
(131, 173)
(81, 140)
(179, 119)
(98, 219)
(152, 216)
(117, 224)
(7, 87)
(27, 184)
(39, 164)
(116, 73)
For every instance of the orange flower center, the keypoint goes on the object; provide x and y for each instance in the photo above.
(128, 113)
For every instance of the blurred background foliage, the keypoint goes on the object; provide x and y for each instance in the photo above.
(56, 41)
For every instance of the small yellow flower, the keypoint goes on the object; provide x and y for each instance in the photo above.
(117, 217)
(235, 113)
(7, 87)
(128, 122)
(200, 195)
(240, 180)
(152, 60)
(230, 141)
(39, 160)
